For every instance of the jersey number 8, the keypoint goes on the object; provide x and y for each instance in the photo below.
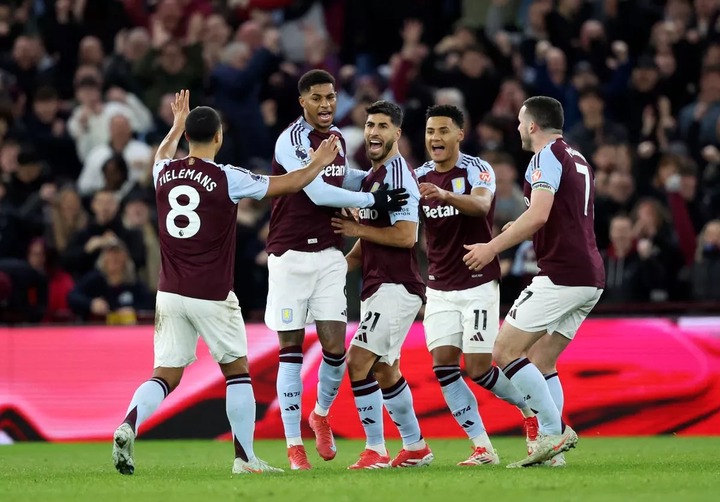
(186, 210)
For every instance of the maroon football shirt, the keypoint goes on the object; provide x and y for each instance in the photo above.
(301, 221)
(197, 218)
(565, 246)
(388, 264)
(447, 229)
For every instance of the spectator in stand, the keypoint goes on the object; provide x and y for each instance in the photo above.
(46, 125)
(619, 198)
(137, 155)
(509, 198)
(137, 216)
(106, 227)
(130, 47)
(89, 123)
(236, 83)
(594, 128)
(651, 222)
(112, 291)
(67, 217)
(59, 283)
(172, 64)
(633, 271)
(706, 270)
(28, 191)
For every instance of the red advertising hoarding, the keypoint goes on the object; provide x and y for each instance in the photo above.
(620, 376)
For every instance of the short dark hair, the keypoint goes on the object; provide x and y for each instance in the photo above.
(119, 162)
(546, 112)
(202, 124)
(591, 92)
(450, 111)
(46, 93)
(314, 77)
(387, 108)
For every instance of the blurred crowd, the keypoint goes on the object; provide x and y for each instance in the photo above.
(86, 87)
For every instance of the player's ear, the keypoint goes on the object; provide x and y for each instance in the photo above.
(186, 137)
(461, 135)
(398, 133)
(301, 100)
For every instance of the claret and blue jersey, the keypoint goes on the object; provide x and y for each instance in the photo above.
(565, 246)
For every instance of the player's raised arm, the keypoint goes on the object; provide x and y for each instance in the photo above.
(293, 157)
(294, 181)
(181, 109)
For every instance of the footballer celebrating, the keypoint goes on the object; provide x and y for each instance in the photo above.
(463, 306)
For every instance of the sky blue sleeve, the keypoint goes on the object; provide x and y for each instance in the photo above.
(243, 183)
(353, 179)
(544, 171)
(481, 175)
(292, 153)
(400, 176)
(157, 167)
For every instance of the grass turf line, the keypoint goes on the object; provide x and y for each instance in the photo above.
(638, 469)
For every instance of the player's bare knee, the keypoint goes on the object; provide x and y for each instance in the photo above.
(332, 336)
(237, 367)
(447, 355)
(291, 338)
(359, 363)
(503, 353)
(476, 365)
(171, 376)
(387, 375)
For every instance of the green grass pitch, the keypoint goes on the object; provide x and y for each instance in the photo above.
(627, 469)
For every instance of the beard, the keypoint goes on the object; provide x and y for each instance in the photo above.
(377, 156)
(525, 142)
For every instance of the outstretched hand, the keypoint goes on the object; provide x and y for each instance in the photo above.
(432, 192)
(180, 108)
(478, 256)
(346, 225)
(327, 151)
(389, 200)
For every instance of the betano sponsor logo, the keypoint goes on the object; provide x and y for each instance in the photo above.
(334, 170)
(440, 211)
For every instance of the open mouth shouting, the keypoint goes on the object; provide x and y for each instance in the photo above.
(437, 150)
(375, 147)
(325, 116)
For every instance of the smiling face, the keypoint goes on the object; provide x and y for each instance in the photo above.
(442, 138)
(319, 104)
(380, 136)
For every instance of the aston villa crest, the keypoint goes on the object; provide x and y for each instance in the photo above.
(458, 185)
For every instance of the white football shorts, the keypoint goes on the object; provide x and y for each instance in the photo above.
(468, 319)
(386, 318)
(180, 320)
(305, 287)
(545, 306)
